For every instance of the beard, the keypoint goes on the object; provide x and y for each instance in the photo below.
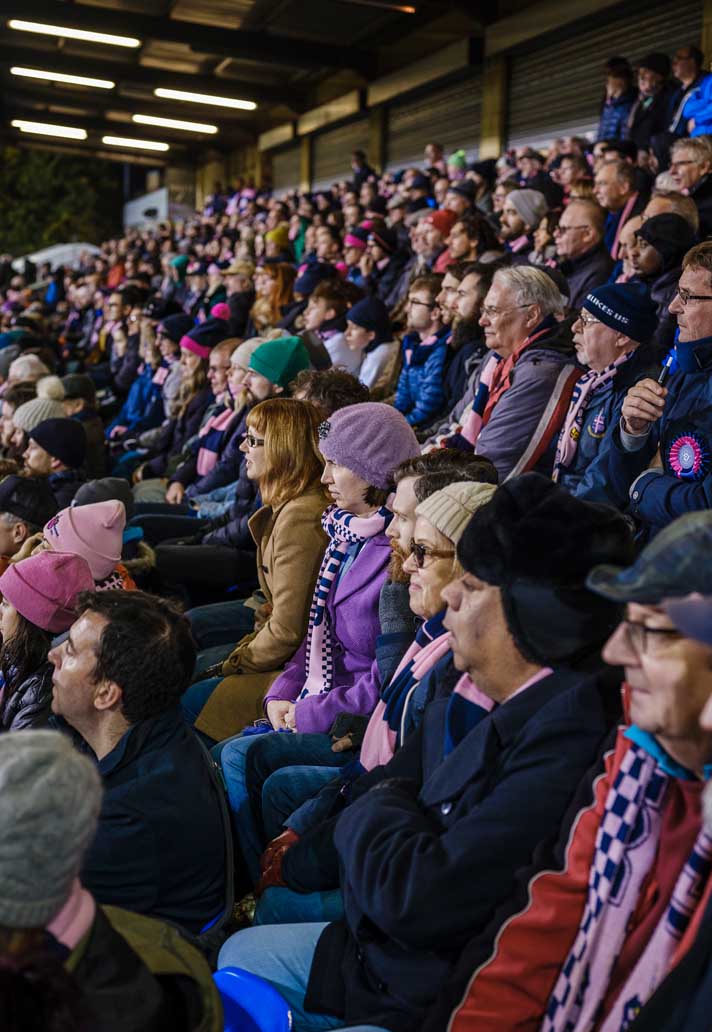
(395, 566)
(465, 330)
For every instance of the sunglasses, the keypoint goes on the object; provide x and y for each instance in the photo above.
(422, 552)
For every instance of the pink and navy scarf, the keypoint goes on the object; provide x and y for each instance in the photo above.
(344, 529)
(584, 392)
(624, 853)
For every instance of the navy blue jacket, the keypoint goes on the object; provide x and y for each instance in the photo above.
(583, 477)
(613, 122)
(187, 472)
(177, 434)
(684, 436)
(233, 529)
(420, 394)
(428, 853)
(224, 472)
(160, 847)
(143, 408)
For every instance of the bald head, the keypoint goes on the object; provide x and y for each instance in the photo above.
(580, 228)
(664, 201)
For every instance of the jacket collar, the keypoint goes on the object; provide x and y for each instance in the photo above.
(361, 570)
(156, 730)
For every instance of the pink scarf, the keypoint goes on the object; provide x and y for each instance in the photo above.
(208, 457)
(343, 529)
(379, 742)
(625, 215)
(75, 918)
(586, 387)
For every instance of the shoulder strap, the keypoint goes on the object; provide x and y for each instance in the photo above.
(551, 419)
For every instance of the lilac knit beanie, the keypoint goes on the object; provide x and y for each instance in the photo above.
(370, 439)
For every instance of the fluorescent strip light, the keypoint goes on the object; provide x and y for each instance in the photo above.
(69, 33)
(175, 123)
(45, 129)
(124, 141)
(75, 80)
(205, 98)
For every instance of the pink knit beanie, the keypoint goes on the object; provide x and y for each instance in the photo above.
(93, 531)
(44, 588)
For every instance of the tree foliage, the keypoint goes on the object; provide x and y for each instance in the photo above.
(48, 198)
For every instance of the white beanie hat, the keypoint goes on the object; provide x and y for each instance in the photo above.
(452, 508)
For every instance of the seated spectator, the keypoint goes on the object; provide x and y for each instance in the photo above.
(532, 176)
(427, 855)
(525, 383)
(240, 294)
(368, 334)
(667, 427)
(483, 174)
(56, 449)
(46, 404)
(611, 335)
(689, 73)
(662, 202)
(582, 255)
(282, 458)
(12, 399)
(195, 397)
(626, 243)
(280, 773)
(597, 934)
(653, 108)
(544, 252)
(325, 316)
(39, 596)
(420, 394)
(273, 296)
(472, 239)
(68, 963)
(522, 212)
(656, 254)
(95, 532)
(383, 261)
(466, 346)
(438, 225)
(333, 670)
(80, 404)
(328, 389)
(691, 165)
(681, 1001)
(118, 679)
(618, 100)
(614, 189)
(26, 504)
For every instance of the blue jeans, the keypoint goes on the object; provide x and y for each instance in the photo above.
(194, 698)
(233, 758)
(284, 792)
(223, 623)
(283, 906)
(283, 956)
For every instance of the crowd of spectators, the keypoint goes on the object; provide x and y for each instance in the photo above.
(356, 593)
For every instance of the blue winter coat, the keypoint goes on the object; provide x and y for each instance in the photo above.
(699, 107)
(420, 394)
(614, 117)
(143, 408)
(583, 477)
(684, 436)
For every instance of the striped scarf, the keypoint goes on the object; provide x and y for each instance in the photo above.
(586, 388)
(343, 529)
(624, 853)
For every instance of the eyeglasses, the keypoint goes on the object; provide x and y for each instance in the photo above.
(492, 313)
(565, 229)
(686, 296)
(679, 164)
(254, 442)
(587, 319)
(422, 552)
(425, 304)
(638, 634)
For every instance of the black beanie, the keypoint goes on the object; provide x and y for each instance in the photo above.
(670, 235)
(176, 326)
(63, 439)
(28, 498)
(538, 543)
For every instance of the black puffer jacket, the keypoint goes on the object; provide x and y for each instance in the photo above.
(29, 705)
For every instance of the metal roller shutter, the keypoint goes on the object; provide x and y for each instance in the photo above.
(556, 90)
(450, 116)
(332, 152)
(286, 168)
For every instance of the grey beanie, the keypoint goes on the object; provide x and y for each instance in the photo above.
(50, 797)
(108, 489)
(451, 509)
(47, 405)
(530, 204)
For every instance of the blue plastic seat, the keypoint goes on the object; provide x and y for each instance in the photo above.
(250, 1004)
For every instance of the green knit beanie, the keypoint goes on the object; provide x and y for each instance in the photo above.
(280, 360)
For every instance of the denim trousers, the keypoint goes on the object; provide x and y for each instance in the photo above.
(283, 955)
(222, 623)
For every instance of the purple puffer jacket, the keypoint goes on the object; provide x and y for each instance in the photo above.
(353, 614)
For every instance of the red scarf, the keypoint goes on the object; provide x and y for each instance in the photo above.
(502, 377)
